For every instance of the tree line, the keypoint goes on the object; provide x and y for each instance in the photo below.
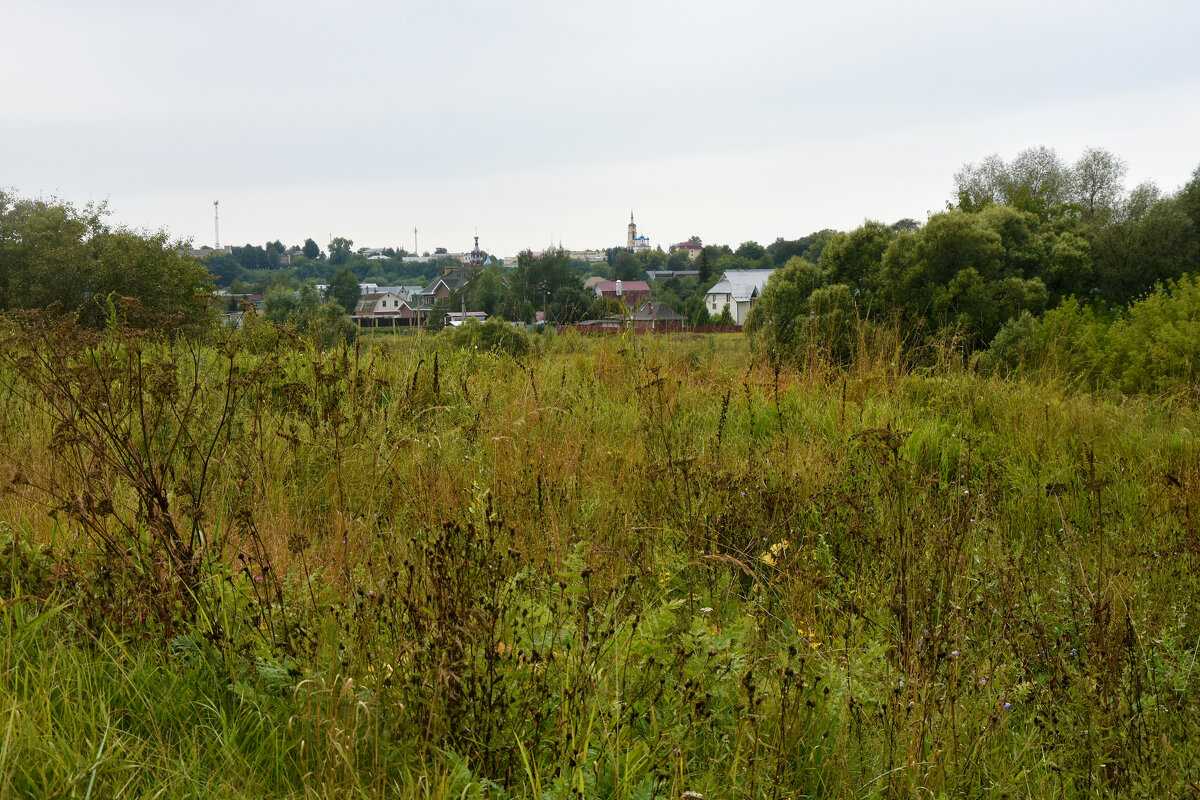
(55, 255)
(1019, 237)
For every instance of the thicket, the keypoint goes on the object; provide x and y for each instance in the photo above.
(1151, 347)
(624, 568)
(53, 254)
(1020, 238)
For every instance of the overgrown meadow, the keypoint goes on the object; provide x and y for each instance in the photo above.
(628, 567)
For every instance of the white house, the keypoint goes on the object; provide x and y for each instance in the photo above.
(739, 289)
(379, 303)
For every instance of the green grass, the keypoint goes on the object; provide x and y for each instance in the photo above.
(626, 567)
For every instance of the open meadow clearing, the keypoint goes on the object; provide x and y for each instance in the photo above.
(622, 567)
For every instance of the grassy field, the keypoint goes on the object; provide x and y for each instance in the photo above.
(629, 567)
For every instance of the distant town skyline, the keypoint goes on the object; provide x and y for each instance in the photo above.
(542, 122)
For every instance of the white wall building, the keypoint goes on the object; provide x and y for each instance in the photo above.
(739, 289)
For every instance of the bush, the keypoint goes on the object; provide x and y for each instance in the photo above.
(492, 335)
(1152, 346)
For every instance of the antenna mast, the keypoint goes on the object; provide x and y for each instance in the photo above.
(216, 225)
(416, 250)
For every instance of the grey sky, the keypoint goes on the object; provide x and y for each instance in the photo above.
(546, 121)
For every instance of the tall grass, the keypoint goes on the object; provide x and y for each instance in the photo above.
(631, 567)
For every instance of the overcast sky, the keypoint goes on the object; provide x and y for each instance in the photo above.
(537, 121)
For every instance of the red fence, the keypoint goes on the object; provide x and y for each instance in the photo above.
(596, 330)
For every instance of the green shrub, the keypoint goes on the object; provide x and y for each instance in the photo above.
(492, 335)
(1151, 347)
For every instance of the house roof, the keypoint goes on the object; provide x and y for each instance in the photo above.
(456, 318)
(656, 312)
(367, 302)
(689, 245)
(627, 287)
(453, 281)
(742, 284)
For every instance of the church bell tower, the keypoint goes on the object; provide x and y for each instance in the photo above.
(632, 232)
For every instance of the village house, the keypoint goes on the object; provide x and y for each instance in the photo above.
(739, 290)
(632, 293)
(656, 317)
(384, 310)
(691, 248)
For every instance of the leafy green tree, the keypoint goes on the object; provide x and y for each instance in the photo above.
(783, 250)
(280, 303)
(679, 260)
(540, 279)
(961, 269)
(1151, 239)
(344, 288)
(311, 250)
(50, 252)
(750, 251)
(626, 266)
(649, 260)
(1097, 182)
(251, 256)
(704, 265)
(1036, 181)
(224, 268)
(487, 291)
(855, 258)
(696, 311)
(1189, 199)
(340, 250)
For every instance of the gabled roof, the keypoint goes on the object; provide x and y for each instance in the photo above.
(656, 312)
(742, 284)
(627, 287)
(453, 281)
(367, 302)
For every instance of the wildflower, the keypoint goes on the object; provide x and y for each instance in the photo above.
(954, 653)
(1008, 705)
(690, 793)
(706, 609)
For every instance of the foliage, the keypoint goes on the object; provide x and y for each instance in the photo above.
(1149, 239)
(323, 323)
(493, 335)
(1151, 347)
(344, 288)
(548, 280)
(802, 314)
(920, 597)
(52, 253)
(340, 250)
